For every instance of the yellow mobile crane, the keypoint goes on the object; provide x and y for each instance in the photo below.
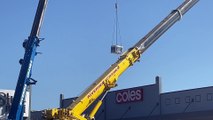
(108, 79)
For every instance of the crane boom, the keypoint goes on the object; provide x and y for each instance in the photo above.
(109, 78)
(24, 79)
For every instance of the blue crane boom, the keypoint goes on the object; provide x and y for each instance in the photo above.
(24, 79)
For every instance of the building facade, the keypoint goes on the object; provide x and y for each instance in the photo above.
(6, 97)
(149, 103)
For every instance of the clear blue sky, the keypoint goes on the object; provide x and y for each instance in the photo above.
(78, 35)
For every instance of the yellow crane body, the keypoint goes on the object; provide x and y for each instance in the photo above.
(109, 78)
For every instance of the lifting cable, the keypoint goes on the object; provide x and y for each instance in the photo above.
(116, 48)
(117, 28)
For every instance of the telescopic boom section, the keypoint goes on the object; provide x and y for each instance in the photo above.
(38, 18)
(108, 80)
(24, 79)
(164, 25)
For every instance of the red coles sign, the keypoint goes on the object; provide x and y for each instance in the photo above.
(129, 95)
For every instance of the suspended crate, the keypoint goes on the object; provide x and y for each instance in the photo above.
(116, 49)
